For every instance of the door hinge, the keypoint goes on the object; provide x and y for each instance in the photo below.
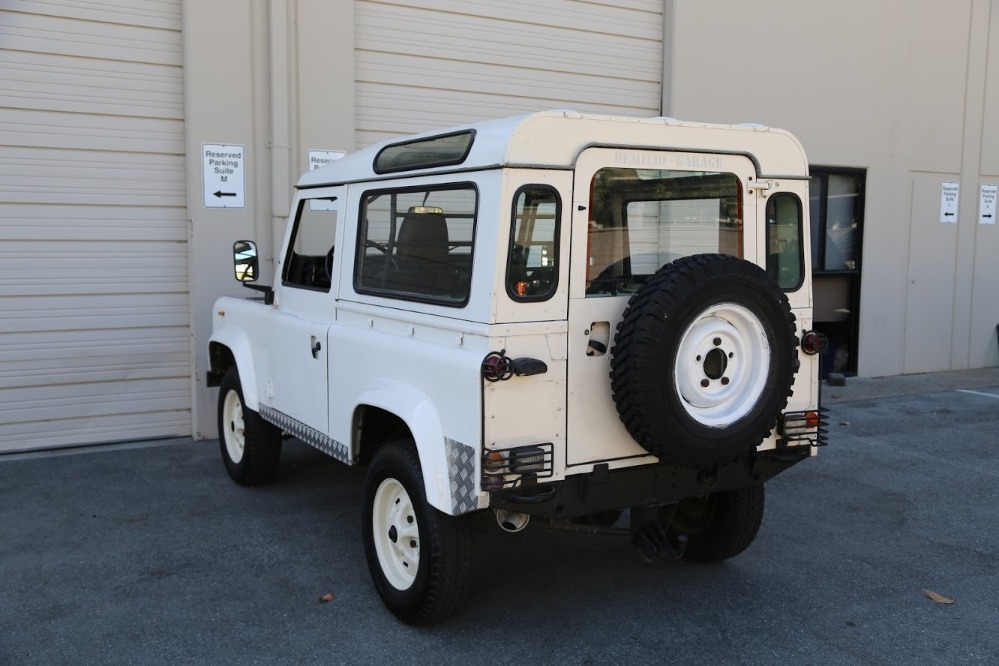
(762, 185)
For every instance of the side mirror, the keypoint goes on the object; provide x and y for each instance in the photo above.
(244, 255)
(247, 265)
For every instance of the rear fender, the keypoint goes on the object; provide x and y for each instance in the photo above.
(450, 468)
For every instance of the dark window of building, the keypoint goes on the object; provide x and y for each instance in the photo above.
(836, 208)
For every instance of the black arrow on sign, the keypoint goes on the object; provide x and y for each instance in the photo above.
(221, 194)
(987, 215)
(945, 214)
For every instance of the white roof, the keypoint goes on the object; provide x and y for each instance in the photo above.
(553, 139)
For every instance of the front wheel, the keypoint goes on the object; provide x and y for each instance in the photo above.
(419, 557)
(718, 526)
(250, 446)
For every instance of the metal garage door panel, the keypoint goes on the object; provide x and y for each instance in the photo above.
(94, 305)
(422, 65)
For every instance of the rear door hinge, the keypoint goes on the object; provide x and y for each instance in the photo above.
(763, 185)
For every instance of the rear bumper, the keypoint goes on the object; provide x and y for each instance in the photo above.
(649, 485)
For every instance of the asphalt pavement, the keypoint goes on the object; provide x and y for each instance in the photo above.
(146, 553)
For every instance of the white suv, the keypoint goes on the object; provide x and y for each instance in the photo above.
(557, 315)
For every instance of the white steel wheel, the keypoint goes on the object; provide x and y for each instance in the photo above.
(234, 432)
(396, 534)
(722, 364)
(419, 558)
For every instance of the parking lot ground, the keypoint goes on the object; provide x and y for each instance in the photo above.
(148, 554)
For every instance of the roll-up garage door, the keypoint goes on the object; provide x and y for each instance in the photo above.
(94, 323)
(424, 64)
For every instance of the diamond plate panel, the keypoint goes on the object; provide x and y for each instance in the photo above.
(461, 476)
(310, 436)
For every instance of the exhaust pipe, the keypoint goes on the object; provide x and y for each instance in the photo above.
(511, 521)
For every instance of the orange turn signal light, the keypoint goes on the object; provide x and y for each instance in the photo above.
(493, 461)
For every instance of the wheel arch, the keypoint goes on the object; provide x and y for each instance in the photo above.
(405, 406)
(231, 346)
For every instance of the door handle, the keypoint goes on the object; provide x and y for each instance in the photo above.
(316, 347)
(598, 338)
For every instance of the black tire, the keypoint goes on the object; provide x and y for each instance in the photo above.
(719, 526)
(250, 446)
(703, 360)
(403, 532)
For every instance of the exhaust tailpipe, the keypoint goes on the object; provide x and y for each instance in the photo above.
(511, 521)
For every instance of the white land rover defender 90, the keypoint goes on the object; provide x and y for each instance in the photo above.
(557, 315)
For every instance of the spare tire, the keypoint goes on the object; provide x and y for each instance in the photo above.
(703, 360)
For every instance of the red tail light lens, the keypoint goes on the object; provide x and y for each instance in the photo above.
(813, 342)
(497, 367)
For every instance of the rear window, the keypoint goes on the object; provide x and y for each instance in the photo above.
(532, 259)
(641, 219)
(785, 254)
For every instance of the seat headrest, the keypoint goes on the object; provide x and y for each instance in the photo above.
(423, 236)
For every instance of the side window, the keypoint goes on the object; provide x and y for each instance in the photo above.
(416, 244)
(532, 259)
(785, 259)
(309, 263)
(641, 219)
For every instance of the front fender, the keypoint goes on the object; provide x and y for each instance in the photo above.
(450, 468)
(238, 343)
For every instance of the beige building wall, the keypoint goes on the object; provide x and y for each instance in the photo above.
(276, 78)
(904, 89)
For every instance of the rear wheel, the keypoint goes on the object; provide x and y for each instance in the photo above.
(719, 526)
(419, 557)
(250, 446)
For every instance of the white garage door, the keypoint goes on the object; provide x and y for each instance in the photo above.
(424, 64)
(94, 334)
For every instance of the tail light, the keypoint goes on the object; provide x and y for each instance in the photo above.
(808, 427)
(496, 366)
(813, 342)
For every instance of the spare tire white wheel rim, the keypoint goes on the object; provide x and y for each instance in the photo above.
(396, 534)
(722, 364)
(235, 430)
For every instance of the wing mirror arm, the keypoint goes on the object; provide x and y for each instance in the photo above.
(266, 290)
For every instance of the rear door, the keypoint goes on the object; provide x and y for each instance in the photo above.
(633, 211)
